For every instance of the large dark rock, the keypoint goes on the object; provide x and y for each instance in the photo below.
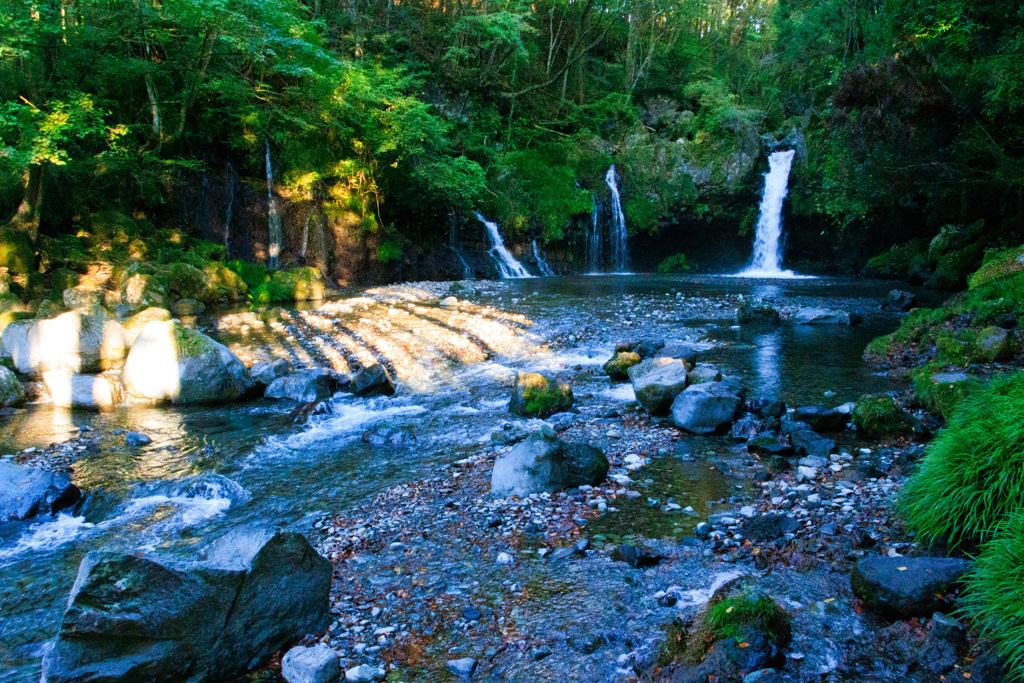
(304, 386)
(373, 380)
(705, 408)
(825, 316)
(822, 419)
(26, 492)
(806, 442)
(657, 382)
(907, 586)
(899, 300)
(746, 428)
(265, 372)
(534, 395)
(757, 314)
(150, 618)
(768, 527)
(732, 658)
(545, 463)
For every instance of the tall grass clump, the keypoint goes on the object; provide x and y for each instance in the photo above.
(994, 595)
(973, 475)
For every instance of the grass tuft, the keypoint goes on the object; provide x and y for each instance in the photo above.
(973, 475)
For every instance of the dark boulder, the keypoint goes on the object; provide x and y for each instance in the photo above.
(746, 428)
(134, 618)
(706, 408)
(769, 443)
(657, 382)
(822, 419)
(899, 300)
(373, 380)
(757, 314)
(807, 442)
(26, 492)
(543, 462)
(765, 528)
(907, 586)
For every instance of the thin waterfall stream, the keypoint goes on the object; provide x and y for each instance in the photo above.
(619, 236)
(508, 266)
(274, 237)
(545, 269)
(767, 260)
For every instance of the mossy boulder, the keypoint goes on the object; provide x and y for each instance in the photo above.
(8, 317)
(618, 366)
(16, 254)
(953, 238)
(995, 344)
(898, 262)
(170, 362)
(86, 295)
(534, 395)
(142, 291)
(183, 281)
(998, 264)
(757, 314)
(223, 284)
(133, 325)
(878, 415)
(953, 268)
(12, 393)
(941, 391)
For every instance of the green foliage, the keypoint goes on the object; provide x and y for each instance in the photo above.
(940, 397)
(878, 415)
(994, 593)
(675, 264)
(972, 477)
(728, 617)
(389, 251)
(899, 262)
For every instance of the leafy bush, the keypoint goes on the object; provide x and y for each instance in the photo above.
(973, 475)
(879, 415)
(994, 593)
(675, 264)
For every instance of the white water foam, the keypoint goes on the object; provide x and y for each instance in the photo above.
(620, 392)
(700, 596)
(46, 536)
(348, 422)
(508, 266)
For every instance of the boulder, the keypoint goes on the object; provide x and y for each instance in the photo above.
(747, 427)
(133, 617)
(822, 419)
(683, 352)
(84, 296)
(899, 300)
(12, 392)
(187, 308)
(770, 444)
(170, 362)
(449, 302)
(647, 348)
(705, 408)
(90, 392)
(618, 365)
(765, 528)
(657, 382)
(825, 316)
(26, 492)
(907, 587)
(757, 314)
(994, 344)
(74, 340)
(372, 380)
(534, 395)
(265, 372)
(133, 325)
(807, 442)
(304, 386)
(703, 373)
(142, 291)
(543, 462)
(317, 664)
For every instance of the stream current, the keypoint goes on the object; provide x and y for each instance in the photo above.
(213, 468)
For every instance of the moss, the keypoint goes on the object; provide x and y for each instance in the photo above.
(898, 262)
(16, 252)
(953, 269)
(998, 264)
(222, 283)
(940, 391)
(675, 264)
(879, 415)
(538, 396)
(8, 317)
(735, 616)
(189, 343)
(182, 280)
(620, 363)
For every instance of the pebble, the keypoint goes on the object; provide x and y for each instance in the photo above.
(364, 673)
(463, 668)
(504, 558)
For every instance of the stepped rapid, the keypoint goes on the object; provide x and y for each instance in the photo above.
(767, 261)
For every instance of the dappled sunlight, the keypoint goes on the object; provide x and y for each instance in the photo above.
(404, 328)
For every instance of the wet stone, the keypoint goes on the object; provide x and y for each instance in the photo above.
(463, 668)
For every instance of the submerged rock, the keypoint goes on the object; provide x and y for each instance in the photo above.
(705, 408)
(170, 362)
(26, 492)
(534, 395)
(907, 586)
(373, 380)
(304, 386)
(545, 463)
(132, 618)
(657, 382)
(822, 419)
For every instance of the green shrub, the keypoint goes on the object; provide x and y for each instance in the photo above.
(994, 593)
(253, 274)
(972, 477)
(675, 264)
(880, 416)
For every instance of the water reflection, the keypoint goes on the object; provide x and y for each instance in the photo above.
(766, 363)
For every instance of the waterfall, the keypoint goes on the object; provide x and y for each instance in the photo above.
(274, 239)
(305, 235)
(227, 218)
(767, 259)
(545, 269)
(594, 238)
(620, 247)
(467, 272)
(508, 266)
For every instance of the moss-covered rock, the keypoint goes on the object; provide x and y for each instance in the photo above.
(223, 284)
(534, 395)
(8, 317)
(998, 264)
(878, 415)
(757, 314)
(996, 344)
(899, 262)
(143, 291)
(940, 390)
(16, 254)
(133, 325)
(952, 269)
(182, 281)
(618, 365)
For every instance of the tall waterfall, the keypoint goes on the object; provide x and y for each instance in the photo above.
(594, 254)
(274, 239)
(227, 217)
(508, 266)
(767, 259)
(620, 247)
(545, 269)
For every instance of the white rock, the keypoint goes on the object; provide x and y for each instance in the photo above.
(504, 558)
(317, 664)
(364, 674)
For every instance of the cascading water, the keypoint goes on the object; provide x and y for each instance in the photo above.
(767, 259)
(594, 238)
(508, 266)
(545, 269)
(274, 239)
(620, 246)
